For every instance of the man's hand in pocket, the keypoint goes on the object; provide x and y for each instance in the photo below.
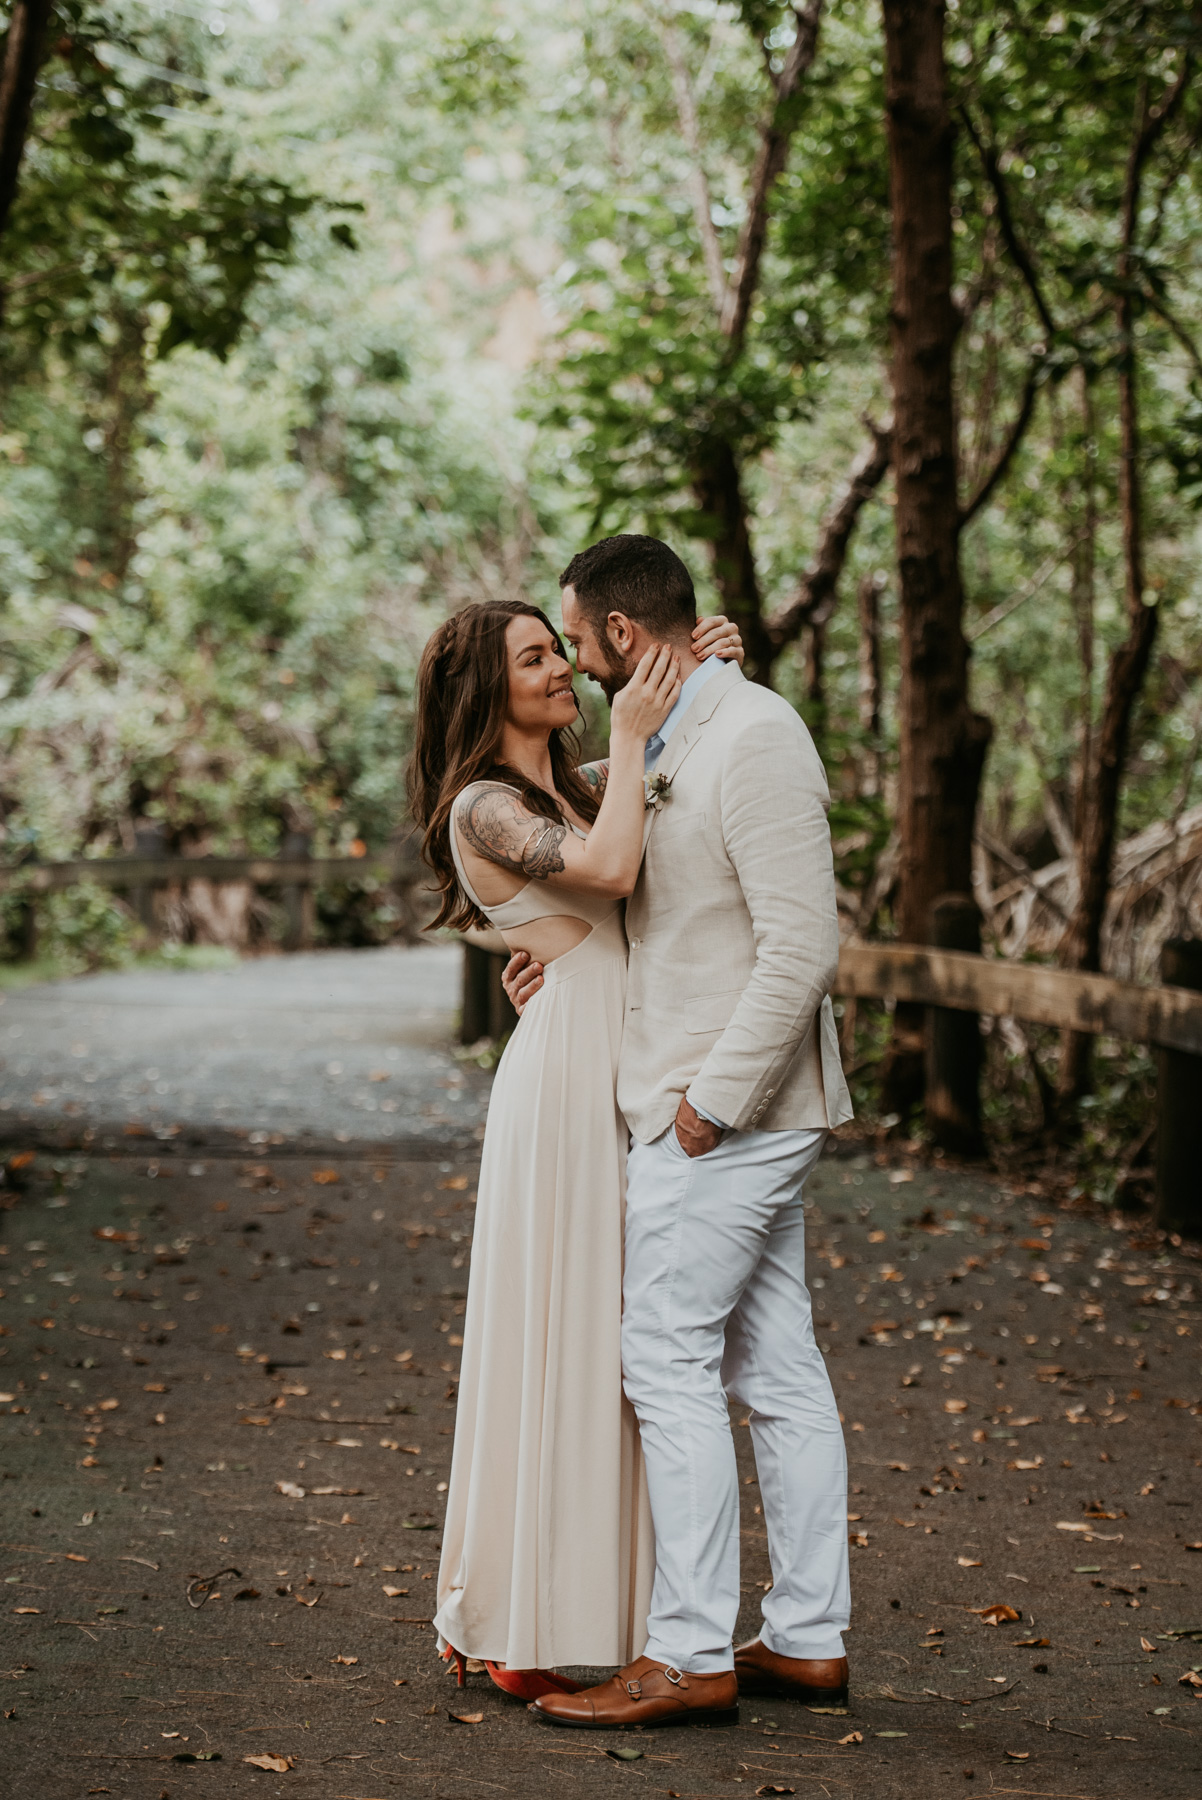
(697, 1136)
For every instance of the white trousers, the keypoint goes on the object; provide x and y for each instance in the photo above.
(715, 1307)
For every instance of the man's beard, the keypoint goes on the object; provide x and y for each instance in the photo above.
(619, 669)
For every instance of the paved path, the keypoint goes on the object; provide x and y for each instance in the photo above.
(342, 1045)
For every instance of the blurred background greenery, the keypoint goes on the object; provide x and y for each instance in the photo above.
(323, 319)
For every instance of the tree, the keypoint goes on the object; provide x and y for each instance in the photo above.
(686, 380)
(24, 42)
(943, 741)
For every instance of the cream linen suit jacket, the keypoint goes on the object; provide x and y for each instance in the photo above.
(733, 932)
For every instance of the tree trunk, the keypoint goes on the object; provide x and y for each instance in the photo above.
(943, 742)
(1082, 944)
(18, 76)
(1076, 1047)
(718, 488)
(869, 604)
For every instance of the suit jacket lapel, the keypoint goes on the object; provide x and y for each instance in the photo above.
(689, 731)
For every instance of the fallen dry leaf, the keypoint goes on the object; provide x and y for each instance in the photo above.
(1145, 1645)
(997, 1614)
(326, 1177)
(955, 1406)
(456, 1182)
(466, 1718)
(305, 1602)
(275, 1765)
(347, 1661)
(1032, 1643)
(775, 1787)
(290, 1490)
(1019, 1755)
(395, 1593)
(853, 1737)
(27, 1609)
(1026, 1462)
(969, 1562)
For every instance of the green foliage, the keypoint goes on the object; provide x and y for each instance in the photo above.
(116, 216)
(313, 333)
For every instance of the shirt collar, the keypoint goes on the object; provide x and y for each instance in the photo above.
(688, 693)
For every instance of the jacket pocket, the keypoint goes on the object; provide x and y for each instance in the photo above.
(711, 1012)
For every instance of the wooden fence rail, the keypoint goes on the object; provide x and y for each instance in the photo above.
(1169, 1017)
(156, 871)
(139, 876)
(946, 981)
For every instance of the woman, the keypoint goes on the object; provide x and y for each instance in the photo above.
(547, 1552)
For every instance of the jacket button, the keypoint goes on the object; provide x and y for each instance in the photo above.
(770, 1093)
(636, 943)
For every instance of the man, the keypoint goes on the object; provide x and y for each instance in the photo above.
(729, 1079)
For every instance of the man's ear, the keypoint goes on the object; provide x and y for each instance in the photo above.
(620, 632)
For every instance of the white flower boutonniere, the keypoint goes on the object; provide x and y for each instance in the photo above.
(657, 791)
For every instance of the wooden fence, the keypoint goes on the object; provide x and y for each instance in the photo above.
(951, 985)
(954, 985)
(295, 877)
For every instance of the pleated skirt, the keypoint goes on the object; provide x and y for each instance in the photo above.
(547, 1556)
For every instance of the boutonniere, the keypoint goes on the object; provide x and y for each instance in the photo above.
(657, 791)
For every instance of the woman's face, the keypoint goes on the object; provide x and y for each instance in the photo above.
(540, 678)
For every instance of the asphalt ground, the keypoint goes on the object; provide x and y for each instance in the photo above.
(239, 1363)
(325, 1047)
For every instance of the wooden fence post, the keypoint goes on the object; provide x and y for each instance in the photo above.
(299, 905)
(25, 924)
(150, 842)
(487, 1010)
(1179, 1121)
(473, 1019)
(954, 1051)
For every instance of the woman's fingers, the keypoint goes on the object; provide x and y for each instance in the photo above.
(716, 637)
(645, 667)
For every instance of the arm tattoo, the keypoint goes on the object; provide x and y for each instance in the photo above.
(497, 826)
(543, 853)
(596, 773)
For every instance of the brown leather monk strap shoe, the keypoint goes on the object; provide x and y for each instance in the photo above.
(645, 1693)
(815, 1683)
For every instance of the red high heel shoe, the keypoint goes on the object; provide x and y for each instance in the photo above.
(523, 1684)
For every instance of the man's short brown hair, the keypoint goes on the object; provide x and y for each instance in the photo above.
(638, 576)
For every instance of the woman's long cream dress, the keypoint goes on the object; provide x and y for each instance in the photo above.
(547, 1556)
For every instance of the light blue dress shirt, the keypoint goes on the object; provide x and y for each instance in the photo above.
(655, 749)
(688, 693)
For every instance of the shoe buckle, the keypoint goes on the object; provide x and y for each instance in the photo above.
(675, 1676)
(635, 1689)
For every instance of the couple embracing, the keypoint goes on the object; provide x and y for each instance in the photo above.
(639, 1252)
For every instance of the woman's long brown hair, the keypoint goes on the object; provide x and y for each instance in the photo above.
(462, 700)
